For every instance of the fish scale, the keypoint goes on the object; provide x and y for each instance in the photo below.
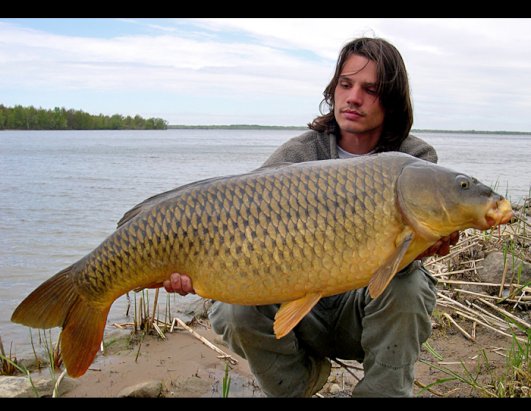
(289, 234)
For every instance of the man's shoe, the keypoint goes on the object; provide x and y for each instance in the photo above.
(320, 371)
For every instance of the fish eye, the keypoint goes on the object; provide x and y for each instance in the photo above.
(463, 182)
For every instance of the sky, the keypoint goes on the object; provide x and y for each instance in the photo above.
(465, 74)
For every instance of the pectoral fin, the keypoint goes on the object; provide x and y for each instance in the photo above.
(290, 313)
(387, 271)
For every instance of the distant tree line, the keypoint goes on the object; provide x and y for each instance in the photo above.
(236, 127)
(31, 118)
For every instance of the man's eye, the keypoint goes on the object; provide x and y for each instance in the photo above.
(372, 91)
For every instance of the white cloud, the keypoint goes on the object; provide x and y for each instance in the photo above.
(162, 61)
(462, 71)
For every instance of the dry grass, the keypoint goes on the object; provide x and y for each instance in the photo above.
(466, 303)
(7, 361)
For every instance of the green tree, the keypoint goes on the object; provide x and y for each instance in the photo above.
(31, 118)
(3, 117)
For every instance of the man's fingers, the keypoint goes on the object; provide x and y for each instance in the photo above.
(186, 284)
(175, 283)
(444, 249)
(454, 238)
(181, 284)
(434, 249)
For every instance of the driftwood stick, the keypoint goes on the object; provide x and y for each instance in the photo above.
(205, 341)
(457, 305)
(467, 335)
(173, 324)
(468, 282)
(452, 254)
(469, 314)
(155, 302)
(460, 290)
(464, 270)
(490, 327)
(499, 322)
(523, 299)
(346, 367)
(502, 284)
(491, 319)
(452, 301)
(506, 313)
(158, 330)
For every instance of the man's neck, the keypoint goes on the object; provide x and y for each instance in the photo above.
(358, 143)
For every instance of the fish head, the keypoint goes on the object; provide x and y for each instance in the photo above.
(437, 201)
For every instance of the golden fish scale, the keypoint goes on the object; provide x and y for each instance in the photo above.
(258, 239)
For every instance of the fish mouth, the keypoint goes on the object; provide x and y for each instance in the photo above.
(499, 212)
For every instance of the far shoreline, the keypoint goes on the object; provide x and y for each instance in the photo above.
(266, 127)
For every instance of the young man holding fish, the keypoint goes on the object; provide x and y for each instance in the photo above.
(369, 111)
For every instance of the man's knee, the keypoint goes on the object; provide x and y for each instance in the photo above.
(238, 318)
(414, 289)
(248, 331)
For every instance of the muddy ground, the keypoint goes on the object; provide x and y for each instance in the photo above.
(188, 368)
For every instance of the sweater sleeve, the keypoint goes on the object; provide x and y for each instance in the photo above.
(309, 146)
(418, 148)
(312, 146)
(291, 151)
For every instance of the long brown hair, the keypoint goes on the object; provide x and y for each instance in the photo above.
(393, 91)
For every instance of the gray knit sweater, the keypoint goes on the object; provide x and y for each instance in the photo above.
(313, 145)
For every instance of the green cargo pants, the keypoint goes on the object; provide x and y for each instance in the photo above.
(385, 334)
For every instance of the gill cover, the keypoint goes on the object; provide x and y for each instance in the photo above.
(437, 201)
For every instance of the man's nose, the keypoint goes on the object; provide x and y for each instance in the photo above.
(355, 96)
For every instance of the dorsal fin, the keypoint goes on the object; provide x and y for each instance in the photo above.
(159, 198)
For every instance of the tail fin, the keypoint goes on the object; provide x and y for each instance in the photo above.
(57, 303)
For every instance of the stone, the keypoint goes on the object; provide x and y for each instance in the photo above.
(335, 389)
(493, 267)
(147, 389)
(20, 387)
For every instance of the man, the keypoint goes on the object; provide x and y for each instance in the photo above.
(369, 111)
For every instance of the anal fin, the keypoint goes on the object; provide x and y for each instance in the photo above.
(292, 312)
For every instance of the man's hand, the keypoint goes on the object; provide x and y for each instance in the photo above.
(441, 247)
(178, 283)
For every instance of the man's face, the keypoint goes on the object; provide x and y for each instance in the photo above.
(357, 107)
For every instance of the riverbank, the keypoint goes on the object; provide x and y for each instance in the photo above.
(182, 366)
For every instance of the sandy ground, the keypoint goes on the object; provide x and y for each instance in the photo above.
(188, 368)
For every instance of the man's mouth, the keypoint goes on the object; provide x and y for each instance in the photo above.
(352, 114)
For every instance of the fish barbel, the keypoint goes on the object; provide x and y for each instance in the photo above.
(290, 234)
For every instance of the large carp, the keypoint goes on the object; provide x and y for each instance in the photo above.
(289, 234)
